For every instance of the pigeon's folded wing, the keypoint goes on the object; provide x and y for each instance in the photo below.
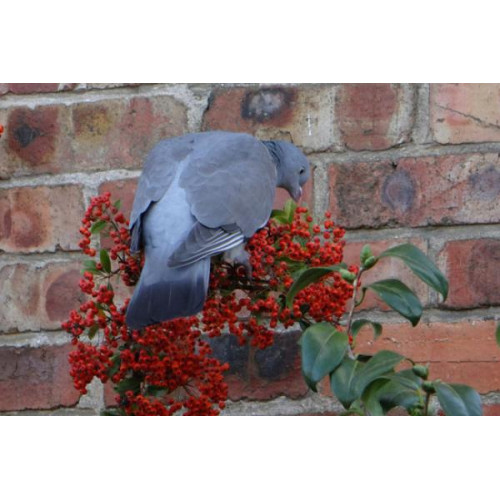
(230, 181)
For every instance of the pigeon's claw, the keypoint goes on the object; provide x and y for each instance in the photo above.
(238, 256)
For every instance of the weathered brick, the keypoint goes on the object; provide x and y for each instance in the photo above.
(115, 133)
(37, 296)
(302, 115)
(446, 190)
(262, 374)
(123, 190)
(374, 116)
(463, 112)
(35, 88)
(32, 139)
(491, 410)
(120, 133)
(41, 218)
(464, 352)
(471, 267)
(35, 378)
(386, 268)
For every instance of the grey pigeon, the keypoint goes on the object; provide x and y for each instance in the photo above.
(200, 195)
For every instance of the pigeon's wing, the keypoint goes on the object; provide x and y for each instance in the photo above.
(230, 182)
(202, 242)
(160, 169)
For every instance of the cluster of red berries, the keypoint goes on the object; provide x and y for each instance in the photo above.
(162, 370)
(276, 252)
(1, 130)
(167, 369)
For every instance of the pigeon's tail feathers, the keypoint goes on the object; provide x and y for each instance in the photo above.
(136, 237)
(164, 293)
(203, 242)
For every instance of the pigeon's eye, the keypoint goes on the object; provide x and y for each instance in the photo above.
(302, 170)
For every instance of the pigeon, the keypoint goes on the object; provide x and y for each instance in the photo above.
(200, 195)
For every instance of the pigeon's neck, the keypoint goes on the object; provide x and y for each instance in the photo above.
(274, 151)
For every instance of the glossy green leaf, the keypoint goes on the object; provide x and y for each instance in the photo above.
(98, 226)
(371, 399)
(306, 277)
(105, 261)
(322, 349)
(360, 323)
(421, 265)
(116, 362)
(342, 381)
(390, 391)
(458, 400)
(286, 215)
(92, 331)
(90, 266)
(497, 334)
(117, 204)
(400, 298)
(380, 364)
(128, 384)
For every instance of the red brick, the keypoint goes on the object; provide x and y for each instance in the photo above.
(35, 378)
(32, 136)
(41, 218)
(464, 352)
(34, 88)
(303, 115)
(123, 190)
(444, 190)
(120, 133)
(262, 374)
(115, 133)
(465, 112)
(4, 88)
(373, 116)
(491, 410)
(38, 296)
(385, 269)
(471, 267)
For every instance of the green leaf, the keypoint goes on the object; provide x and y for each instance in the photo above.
(98, 226)
(360, 323)
(322, 349)
(497, 334)
(400, 298)
(117, 204)
(380, 364)
(90, 266)
(285, 216)
(458, 400)
(421, 265)
(403, 389)
(371, 400)
(156, 391)
(115, 365)
(92, 331)
(104, 258)
(128, 384)
(342, 381)
(308, 276)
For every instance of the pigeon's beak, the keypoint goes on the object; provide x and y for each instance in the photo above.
(297, 194)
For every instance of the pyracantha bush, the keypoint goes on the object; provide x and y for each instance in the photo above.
(167, 368)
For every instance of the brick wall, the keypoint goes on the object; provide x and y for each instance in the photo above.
(394, 163)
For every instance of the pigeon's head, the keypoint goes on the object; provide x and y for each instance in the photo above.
(292, 166)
